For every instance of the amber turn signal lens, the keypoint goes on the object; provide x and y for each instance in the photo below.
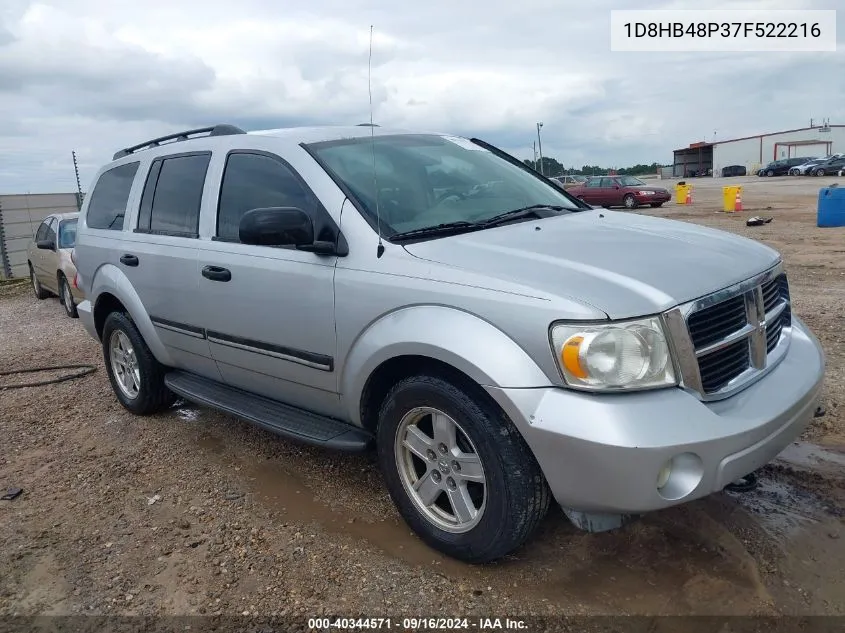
(570, 356)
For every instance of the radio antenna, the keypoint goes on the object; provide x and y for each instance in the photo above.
(380, 248)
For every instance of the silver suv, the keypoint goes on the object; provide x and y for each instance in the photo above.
(497, 341)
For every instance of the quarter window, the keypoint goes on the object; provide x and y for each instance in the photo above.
(110, 196)
(172, 195)
(254, 181)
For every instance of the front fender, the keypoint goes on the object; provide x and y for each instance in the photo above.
(110, 279)
(457, 338)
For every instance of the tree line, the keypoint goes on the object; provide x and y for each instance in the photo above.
(552, 167)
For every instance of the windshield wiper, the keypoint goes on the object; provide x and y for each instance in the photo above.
(516, 214)
(447, 228)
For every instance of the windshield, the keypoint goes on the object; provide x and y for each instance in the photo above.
(67, 234)
(630, 181)
(427, 180)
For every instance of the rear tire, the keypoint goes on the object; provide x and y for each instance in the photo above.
(500, 494)
(136, 377)
(37, 288)
(66, 297)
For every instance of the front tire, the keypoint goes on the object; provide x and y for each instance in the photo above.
(629, 201)
(66, 298)
(458, 470)
(37, 288)
(820, 172)
(136, 377)
(770, 173)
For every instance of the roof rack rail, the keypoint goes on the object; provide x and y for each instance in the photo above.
(221, 129)
(368, 125)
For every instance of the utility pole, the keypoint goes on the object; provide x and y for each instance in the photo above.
(78, 184)
(540, 145)
(536, 164)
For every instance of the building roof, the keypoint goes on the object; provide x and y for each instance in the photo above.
(745, 138)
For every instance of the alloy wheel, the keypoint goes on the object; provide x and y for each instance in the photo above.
(440, 469)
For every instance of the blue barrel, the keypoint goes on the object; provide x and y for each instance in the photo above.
(831, 209)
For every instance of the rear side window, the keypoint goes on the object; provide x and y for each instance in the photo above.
(110, 196)
(67, 234)
(253, 181)
(172, 195)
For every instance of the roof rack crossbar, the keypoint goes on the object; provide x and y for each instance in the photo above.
(221, 129)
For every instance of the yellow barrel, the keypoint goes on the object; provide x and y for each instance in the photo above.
(681, 190)
(729, 195)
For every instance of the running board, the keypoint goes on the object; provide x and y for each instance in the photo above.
(290, 422)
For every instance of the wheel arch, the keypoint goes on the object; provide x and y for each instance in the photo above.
(110, 291)
(462, 346)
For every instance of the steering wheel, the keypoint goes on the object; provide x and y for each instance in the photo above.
(448, 194)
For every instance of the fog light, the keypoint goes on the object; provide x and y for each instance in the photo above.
(663, 475)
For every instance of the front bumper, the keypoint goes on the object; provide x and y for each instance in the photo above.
(655, 199)
(603, 453)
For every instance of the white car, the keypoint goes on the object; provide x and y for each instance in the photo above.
(805, 168)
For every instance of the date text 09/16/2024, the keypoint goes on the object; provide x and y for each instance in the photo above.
(417, 624)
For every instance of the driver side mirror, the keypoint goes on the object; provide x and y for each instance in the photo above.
(46, 245)
(282, 226)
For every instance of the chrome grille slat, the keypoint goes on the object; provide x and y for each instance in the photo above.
(719, 368)
(735, 335)
(709, 325)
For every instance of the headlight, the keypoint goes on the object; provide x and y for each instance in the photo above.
(614, 356)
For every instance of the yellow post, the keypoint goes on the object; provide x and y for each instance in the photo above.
(729, 196)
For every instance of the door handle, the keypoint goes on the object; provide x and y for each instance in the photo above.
(216, 273)
(129, 260)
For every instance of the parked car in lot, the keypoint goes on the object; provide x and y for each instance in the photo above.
(781, 167)
(620, 191)
(569, 180)
(497, 341)
(733, 170)
(804, 168)
(830, 167)
(51, 270)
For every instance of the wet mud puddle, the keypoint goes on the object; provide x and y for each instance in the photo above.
(783, 504)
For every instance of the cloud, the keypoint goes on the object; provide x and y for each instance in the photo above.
(92, 76)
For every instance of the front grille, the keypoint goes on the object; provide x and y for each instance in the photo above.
(710, 325)
(719, 368)
(724, 335)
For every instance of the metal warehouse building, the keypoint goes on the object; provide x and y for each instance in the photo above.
(753, 152)
(20, 216)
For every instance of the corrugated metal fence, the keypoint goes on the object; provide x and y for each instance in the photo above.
(20, 216)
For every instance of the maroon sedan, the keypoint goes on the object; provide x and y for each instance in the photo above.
(620, 191)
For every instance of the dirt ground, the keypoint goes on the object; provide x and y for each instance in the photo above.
(195, 512)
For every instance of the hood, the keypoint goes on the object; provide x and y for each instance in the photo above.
(621, 263)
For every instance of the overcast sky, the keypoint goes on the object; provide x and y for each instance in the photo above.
(97, 75)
